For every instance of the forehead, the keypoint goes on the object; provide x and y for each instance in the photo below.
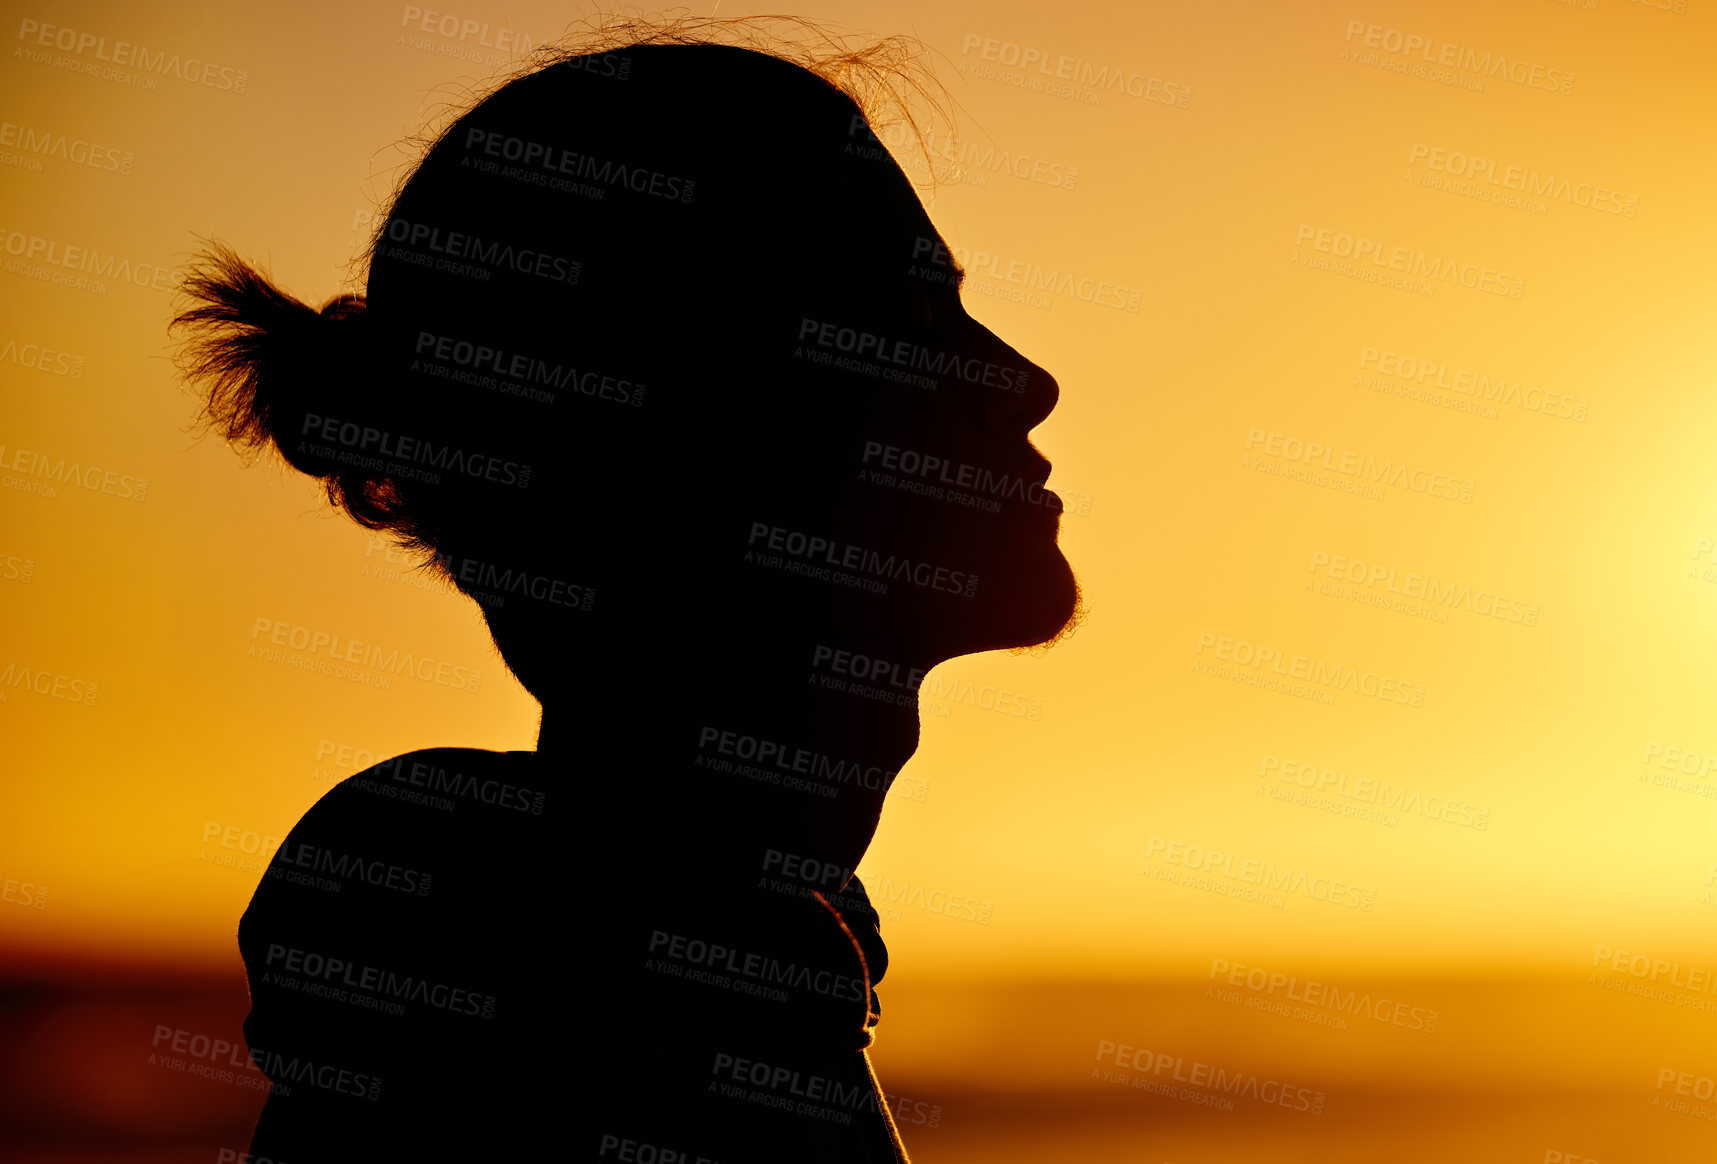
(874, 219)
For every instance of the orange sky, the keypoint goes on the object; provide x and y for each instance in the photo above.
(1388, 461)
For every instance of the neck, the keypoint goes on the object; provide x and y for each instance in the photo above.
(786, 745)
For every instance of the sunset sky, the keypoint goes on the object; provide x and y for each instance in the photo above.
(1386, 427)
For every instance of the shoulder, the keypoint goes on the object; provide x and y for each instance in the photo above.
(386, 835)
(451, 782)
(364, 940)
(421, 797)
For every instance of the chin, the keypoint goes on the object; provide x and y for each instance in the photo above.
(1055, 606)
(1036, 603)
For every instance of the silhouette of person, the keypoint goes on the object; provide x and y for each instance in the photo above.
(662, 362)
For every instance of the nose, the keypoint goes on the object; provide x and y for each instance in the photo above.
(1042, 391)
(1021, 406)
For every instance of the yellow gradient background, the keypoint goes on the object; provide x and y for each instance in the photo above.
(1604, 523)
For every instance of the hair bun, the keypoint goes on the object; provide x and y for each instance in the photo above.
(263, 361)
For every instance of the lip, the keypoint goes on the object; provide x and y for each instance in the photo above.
(1047, 501)
(1038, 475)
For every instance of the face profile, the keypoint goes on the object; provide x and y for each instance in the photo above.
(666, 368)
(958, 455)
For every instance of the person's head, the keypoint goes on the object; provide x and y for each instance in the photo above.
(655, 342)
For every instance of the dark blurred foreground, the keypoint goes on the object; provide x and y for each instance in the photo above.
(142, 1069)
